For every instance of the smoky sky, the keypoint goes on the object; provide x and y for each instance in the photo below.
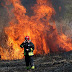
(30, 3)
(3, 14)
(56, 3)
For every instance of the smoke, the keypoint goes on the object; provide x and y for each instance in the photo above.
(56, 4)
(4, 20)
(59, 4)
(3, 17)
(28, 4)
(63, 17)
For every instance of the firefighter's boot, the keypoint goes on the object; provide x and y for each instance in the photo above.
(27, 67)
(33, 67)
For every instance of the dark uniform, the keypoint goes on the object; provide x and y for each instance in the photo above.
(28, 54)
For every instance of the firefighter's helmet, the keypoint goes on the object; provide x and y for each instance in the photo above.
(27, 38)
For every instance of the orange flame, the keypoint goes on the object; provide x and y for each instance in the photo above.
(38, 27)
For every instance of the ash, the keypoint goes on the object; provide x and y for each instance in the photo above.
(61, 62)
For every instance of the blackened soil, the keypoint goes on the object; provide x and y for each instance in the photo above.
(48, 63)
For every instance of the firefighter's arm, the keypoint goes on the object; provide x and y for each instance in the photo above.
(22, 45)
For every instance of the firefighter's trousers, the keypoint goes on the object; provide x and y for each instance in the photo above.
(29, 60)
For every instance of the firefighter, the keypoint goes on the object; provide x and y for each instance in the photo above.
(28, 52)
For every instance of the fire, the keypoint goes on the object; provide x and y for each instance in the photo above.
(44, 35)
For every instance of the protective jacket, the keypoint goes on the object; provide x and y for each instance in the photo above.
(29, 46)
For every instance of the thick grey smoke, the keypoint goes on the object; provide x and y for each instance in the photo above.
(56, 4)
(28, 4)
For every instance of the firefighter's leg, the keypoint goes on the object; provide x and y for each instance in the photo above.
(27, 62)
(31, 62)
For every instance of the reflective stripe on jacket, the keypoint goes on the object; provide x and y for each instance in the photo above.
(29, 53)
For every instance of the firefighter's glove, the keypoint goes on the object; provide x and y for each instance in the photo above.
(21, 46)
